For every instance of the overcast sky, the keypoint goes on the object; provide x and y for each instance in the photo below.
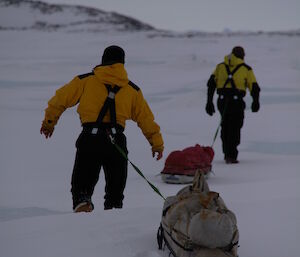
(205, 15)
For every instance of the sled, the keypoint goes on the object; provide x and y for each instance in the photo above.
(197, 223)
(178, 177)
(181, 166)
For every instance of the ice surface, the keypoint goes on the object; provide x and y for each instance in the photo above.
(35, 202)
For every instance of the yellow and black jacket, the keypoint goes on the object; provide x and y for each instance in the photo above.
(233, 76)
(89, 92)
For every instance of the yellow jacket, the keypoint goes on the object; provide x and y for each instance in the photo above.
(90, 93)
(243, 78)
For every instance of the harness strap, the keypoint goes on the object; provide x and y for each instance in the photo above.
(162, 238)
(176, 242)
(230, 75)
(109, 105)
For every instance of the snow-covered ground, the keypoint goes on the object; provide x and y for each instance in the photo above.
(36, 218)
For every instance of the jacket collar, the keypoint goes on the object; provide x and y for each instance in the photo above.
(232, 60)
(114, 74)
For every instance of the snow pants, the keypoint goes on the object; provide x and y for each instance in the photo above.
(93, 152)
(232, 108)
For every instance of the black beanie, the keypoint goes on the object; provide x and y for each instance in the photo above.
(239, 52)
(113, 54)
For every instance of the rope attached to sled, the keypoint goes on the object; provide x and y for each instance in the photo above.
(220, 123)
(155, 189)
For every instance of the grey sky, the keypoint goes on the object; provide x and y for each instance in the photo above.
(205, 15)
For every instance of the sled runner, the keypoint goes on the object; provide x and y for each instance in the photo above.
(181, 166)
(197, 223)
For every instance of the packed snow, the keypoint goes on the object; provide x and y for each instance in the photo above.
(36, 218)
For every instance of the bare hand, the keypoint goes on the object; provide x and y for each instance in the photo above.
(46, 132)
(159, 155)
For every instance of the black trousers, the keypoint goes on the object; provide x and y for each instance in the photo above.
(94, 152)
(233, 118)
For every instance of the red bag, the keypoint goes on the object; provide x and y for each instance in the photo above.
(190, 159)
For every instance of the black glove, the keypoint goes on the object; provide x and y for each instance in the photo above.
(255, 106)
(210, 108)
(255, 95)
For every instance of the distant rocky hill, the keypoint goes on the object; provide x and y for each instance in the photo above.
(37, 15)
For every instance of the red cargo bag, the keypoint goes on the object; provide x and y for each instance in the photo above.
(181, 166)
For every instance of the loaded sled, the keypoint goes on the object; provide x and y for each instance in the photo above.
(197, 223)
(181, 166)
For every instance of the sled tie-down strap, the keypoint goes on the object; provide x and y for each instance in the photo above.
(161, 238)
(109, 105)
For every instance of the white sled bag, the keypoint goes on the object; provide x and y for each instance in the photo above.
(196, 222)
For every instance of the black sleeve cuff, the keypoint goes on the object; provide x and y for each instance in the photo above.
(255, 91)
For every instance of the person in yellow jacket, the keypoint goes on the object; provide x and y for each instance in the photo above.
(106, 98)
(232, 78)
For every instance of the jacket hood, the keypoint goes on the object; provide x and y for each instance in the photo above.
(114, 74)
(232, 60)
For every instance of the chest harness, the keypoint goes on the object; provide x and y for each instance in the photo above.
(231, 80)
(109, 105)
